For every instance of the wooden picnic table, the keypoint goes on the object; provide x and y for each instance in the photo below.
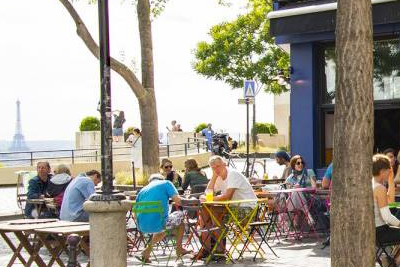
(22, 229)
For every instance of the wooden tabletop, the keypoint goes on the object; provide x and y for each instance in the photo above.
(12, 226)
(266, 194)
(65, 230)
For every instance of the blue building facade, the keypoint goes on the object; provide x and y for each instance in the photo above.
(309, 26)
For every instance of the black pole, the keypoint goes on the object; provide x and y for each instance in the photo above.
(107, 189)
(254, 132)
(247, 136)
(133, 176)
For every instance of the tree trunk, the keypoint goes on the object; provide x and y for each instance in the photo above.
(148, 110)
(352, 221)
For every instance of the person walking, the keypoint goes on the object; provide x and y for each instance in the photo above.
(119, 121)
(208, 133)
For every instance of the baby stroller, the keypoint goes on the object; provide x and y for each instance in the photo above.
(220, 144)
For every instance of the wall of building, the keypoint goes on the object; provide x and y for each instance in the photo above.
(282, 114)
(303, 103)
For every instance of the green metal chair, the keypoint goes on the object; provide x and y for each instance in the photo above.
(152, 207)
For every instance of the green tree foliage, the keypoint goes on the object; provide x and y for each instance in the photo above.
(243, 49)
(200, 127)
(265, 128)
(90, 124)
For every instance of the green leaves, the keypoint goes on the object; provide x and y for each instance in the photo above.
(265, 128)
(90, 124)
(243, 49)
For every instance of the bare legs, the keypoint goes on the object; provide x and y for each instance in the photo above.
(180, 251)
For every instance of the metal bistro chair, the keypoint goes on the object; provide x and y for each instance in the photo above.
(193, 215)
(263, 224)
(134, 237)
(153, 207)
(23, 178)
(387, 249)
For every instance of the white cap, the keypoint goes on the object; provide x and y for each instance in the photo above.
(155, 176)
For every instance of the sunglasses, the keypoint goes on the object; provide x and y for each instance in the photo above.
(168, 167)
(299, 163)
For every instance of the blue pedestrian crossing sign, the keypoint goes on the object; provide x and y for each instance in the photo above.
(249, 88)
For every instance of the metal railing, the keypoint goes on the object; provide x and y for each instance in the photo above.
(21, 158)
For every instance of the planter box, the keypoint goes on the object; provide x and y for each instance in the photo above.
(87, 139)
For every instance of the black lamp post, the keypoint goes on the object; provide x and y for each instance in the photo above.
(107, 192)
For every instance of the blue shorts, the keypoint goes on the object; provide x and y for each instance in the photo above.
(118, 132)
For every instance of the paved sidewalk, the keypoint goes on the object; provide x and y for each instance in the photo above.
(291, 253)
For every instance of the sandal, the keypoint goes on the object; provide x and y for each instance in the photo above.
(143, 259)
(183, 252)
(200, 255)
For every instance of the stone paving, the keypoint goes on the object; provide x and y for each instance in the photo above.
(291, 253)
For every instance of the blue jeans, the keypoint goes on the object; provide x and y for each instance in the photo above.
(83, 217)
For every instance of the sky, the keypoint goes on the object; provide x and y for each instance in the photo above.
(48, 68)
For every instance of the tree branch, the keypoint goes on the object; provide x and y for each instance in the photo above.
(116, 66)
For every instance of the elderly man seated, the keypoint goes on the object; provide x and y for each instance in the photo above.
(162, 190)
(37, 187)
(233, 186)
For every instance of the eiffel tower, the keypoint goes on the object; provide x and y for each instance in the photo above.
(18, 143)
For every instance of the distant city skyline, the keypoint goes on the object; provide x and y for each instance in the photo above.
(47, 67)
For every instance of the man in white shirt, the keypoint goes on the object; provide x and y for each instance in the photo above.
(233, 186)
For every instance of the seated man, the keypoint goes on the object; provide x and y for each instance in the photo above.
(283, 158)
(162, 190)
(77, 192)
(327, 179)
(233, 186)
(37, 187)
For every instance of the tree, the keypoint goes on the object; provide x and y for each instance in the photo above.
(244, 50)
(89, 124)
(144, 90)
(200, 127)
(352, 221)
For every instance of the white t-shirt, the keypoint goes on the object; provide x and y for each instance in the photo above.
(238, 181)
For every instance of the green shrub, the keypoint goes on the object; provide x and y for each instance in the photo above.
(265, 128)
(90, 124)
(125, 178)
(200, 127)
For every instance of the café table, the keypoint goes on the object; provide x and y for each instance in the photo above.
(273, 181)
(60, 235)
(22, 229)
(294, 203)
(235, 225)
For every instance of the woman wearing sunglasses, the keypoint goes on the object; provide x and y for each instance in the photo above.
(300, 177)
(166, 171)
